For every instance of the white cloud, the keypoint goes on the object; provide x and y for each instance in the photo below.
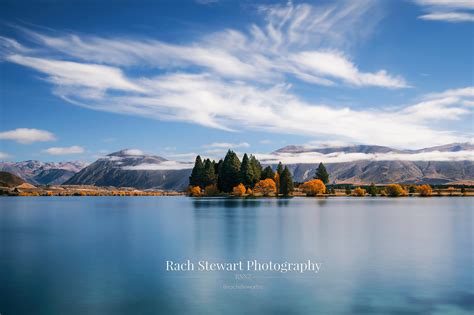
(27, 135)
(454, 11)
(266, 141)
(451, 104)
(67, 73)
(319, 64)
(133, 152)
(461, 92)
(65, 150)
(450, 4)
(341, 157)
(448, 17)
(326, 144)
(4, 156)
(163, 166)
(227, 145)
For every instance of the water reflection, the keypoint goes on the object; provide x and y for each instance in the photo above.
(380, 256)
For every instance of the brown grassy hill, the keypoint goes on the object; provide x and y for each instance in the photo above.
(10, 180)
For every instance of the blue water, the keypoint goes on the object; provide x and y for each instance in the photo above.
(107, 255)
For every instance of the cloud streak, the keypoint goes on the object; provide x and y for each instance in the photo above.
(341, 157)
(27, 135)
(454, 11)
(163, 166)
(65, 150)
(227, 145)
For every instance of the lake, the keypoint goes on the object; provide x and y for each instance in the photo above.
(107, 255)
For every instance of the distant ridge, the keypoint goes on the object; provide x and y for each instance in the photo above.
(43, 173)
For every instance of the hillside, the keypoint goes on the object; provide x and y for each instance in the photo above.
(122, 169)
(10, 180)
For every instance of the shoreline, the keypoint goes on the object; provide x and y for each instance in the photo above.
(110, 191)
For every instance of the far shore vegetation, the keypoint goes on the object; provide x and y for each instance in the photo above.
(247, 178)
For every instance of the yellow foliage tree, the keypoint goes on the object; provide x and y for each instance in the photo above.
(238, 190)
(395, 190)
(195, 191)
(249, 191)
(424, 190)
(265, 187)
(358, 192)
(314, 187)
(451, 190)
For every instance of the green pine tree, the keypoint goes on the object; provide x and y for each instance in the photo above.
(268, 173)
(286, 182)
(279, 168)
(247, 175)
(210, 177)
(229, 173)
(322, 173)
(197, 174)
(257, 169)
(217, 166)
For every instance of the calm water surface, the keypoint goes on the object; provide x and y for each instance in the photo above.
(106, 255)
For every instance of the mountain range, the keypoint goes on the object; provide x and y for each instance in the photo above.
(43, 173)
(366, 164)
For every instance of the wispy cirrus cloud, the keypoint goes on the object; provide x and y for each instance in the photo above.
(454, 11)
(27, 135)
(75, 149)
(290, 38)
(234, 80)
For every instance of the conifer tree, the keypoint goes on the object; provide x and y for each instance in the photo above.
(322, 174)
(257, 169)
(279, 168)
(217, 167)
(229, 173)
(267, 173)
(209, 177)
(247, 175)
(286, 182)
(197, 174)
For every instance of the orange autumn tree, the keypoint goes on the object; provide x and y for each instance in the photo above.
(359, 192)
(195, 191)
(265, 187)
(238, 190)
(314, 187)
(424, 190)
(395, 190)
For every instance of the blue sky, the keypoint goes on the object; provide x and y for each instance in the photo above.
(177, 78)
